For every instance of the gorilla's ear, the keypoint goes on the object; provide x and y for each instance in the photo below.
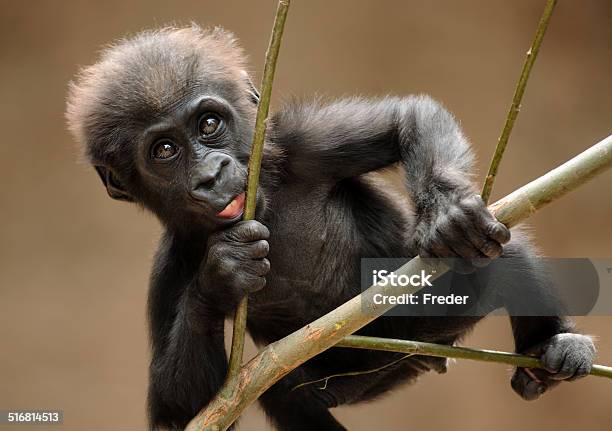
(253, 92)
(113, 185)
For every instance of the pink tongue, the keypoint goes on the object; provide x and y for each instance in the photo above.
(234, 209)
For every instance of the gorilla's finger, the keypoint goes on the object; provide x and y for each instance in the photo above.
(260, 267)
(485, 220)
(258, 249)
(247, 231)
(499, 232)
(249, 283)
(487, 247)
(526, 387)
(455, 239)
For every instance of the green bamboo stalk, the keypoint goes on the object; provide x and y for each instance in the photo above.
(440, 350)
(515, 107)
(263, 108)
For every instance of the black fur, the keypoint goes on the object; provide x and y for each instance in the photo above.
(322, 216)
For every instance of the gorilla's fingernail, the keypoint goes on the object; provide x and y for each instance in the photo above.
(541, 389)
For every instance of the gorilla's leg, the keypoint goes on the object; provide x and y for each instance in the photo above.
(538, 323)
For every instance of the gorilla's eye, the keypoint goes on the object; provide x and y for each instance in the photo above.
(164, 149)
(209, 125)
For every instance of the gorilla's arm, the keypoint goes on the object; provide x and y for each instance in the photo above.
(188, 362)
(353, 136)
(350, 137)
(188, 301)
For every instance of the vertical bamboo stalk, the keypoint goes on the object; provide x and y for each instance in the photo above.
(240, 317)
(516, 100)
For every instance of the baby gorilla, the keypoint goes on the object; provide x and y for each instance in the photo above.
(166, 119)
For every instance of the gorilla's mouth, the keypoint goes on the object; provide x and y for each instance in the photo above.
(234, 209)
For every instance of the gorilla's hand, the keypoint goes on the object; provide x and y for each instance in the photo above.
(236, 261)
(459, 227)
(564, 356)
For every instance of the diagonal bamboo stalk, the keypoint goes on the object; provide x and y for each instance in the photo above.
(279, 358)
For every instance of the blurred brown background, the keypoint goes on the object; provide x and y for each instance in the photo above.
(74, 264)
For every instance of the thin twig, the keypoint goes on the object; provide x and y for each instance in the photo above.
(516, 100)
(444, 351)
(350, 373)
(240, 317)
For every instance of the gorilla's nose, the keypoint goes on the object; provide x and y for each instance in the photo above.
(210, 175)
